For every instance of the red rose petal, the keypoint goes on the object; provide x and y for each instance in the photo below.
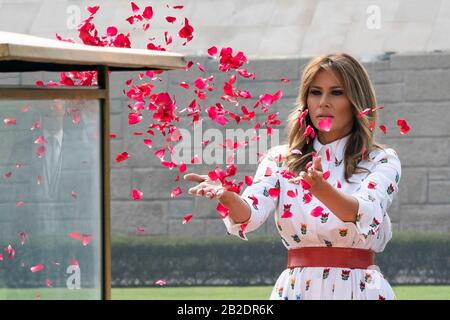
(187, 218)
(111, 31)
(148, 13)
(122, 157)
(136, 194)
(212, 51)
(170, 19)
(37, 268)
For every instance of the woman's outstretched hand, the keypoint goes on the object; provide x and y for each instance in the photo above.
(313, 178)
(205, 187)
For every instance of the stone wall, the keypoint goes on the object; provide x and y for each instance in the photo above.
(414, 87)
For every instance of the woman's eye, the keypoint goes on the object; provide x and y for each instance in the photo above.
(337, 92)
(315, 92)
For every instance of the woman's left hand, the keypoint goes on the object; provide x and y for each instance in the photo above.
(313, 178)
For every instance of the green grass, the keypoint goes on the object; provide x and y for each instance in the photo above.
(257, 293)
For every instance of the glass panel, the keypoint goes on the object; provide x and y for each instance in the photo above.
(50, 200)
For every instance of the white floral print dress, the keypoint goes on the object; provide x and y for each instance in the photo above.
(292, 208)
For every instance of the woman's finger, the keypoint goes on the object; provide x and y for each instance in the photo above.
(195, 177)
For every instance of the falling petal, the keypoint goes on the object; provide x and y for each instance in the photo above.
(76, 236)
(364, 112)
(134, 117)
(8, 175)
(325, 124)
(326, 175)
(182, 167)
(187, 218)
(93, 10)
(86, 239)
(122, 157)
(74, 262)
(112, 136)
(212, 51)
(22, 237)
(160, 153)
(195, 159)
(10, 121)
(248, 180)
(134, 7)
(148, 143)
(48, 283)
(36, 125)
(200, 67)
(284, 80)
(175, 192)
(40, 151)
(317, 211)
(148, 13)
(39, 180)
(404, 127)
(383, 129)
(222, 210)
(136, 194)
(184, 85)
(11, 251)
(73, 194)
(37, 268)
(20, 203)
(296, 151)
(40, 140)
(160, 282)
(140, 229)
(186, 31)
(170, 19)
(111, 31)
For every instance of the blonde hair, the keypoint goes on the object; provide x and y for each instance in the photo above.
(360, 92)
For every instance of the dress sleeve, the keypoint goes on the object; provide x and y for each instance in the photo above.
(377, 192)
(262, 197)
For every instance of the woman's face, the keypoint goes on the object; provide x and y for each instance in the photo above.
(326, 97)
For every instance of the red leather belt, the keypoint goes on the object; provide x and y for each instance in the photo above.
(330, 257)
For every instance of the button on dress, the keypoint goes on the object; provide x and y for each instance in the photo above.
(298, 226)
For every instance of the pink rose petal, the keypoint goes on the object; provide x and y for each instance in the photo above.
(10, 121)
(37, 268)
(160, 282)
(175, 192)
(325, 124)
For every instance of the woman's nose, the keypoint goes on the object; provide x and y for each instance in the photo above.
(324, 101)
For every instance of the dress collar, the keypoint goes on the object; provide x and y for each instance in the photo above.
(336, 147)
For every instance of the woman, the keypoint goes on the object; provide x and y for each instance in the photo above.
(329, 189)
